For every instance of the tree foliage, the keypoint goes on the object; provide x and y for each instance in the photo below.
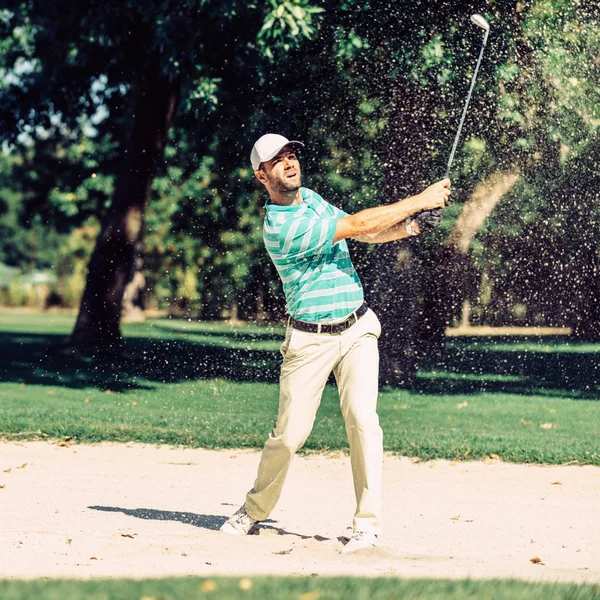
(374, 88)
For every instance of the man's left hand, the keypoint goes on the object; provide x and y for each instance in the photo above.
(429, 219)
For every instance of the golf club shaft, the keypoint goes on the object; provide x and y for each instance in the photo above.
(464, 113)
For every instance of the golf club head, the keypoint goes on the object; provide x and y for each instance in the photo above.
(480, 22)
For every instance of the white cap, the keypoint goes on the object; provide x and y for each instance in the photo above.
(268, 146)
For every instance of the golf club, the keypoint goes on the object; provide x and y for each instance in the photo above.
(480, 22)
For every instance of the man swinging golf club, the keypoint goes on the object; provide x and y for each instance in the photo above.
(330, 328)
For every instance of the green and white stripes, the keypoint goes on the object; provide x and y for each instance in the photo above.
(319, 280)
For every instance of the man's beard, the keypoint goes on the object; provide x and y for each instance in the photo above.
(285, 186)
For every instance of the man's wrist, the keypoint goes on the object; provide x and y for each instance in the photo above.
(412, 203)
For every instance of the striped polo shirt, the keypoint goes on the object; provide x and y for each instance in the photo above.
(319, 280)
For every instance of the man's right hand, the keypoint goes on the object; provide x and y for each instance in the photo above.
(435, 196)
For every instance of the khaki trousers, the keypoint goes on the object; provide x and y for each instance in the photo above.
(308, 360)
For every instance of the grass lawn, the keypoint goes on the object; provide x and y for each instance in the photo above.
(215, 386)
(293, 588)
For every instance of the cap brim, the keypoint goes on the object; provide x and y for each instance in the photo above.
(278, 150)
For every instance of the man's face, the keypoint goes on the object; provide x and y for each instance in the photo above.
(282, 173)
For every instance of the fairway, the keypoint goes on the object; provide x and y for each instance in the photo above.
(212, 385)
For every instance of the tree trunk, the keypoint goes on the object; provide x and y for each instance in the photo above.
(586, 326)
(134, 297)
(452, 276)
(112, 263)
(393, 290)
(392, 274)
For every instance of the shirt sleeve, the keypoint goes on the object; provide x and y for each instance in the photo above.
(325, 207)
(307, 237)
(339, 213)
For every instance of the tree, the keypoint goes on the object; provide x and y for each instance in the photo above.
(376, 93)
(533, 114)
(545, 118)
(152, 56)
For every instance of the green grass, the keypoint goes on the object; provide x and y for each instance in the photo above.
(293, 588)
(215, 386)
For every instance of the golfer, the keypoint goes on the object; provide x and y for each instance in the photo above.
(330, 328)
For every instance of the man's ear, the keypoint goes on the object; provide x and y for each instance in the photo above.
(260, 175)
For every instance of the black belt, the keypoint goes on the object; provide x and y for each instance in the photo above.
(331, 328)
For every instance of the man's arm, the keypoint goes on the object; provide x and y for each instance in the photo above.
(425, 221)
(373, 221)
(395, 232)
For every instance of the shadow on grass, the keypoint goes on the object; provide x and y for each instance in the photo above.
(525, 386)
(37, 359)
(549, 367)
(242, 336)
(530, 366)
